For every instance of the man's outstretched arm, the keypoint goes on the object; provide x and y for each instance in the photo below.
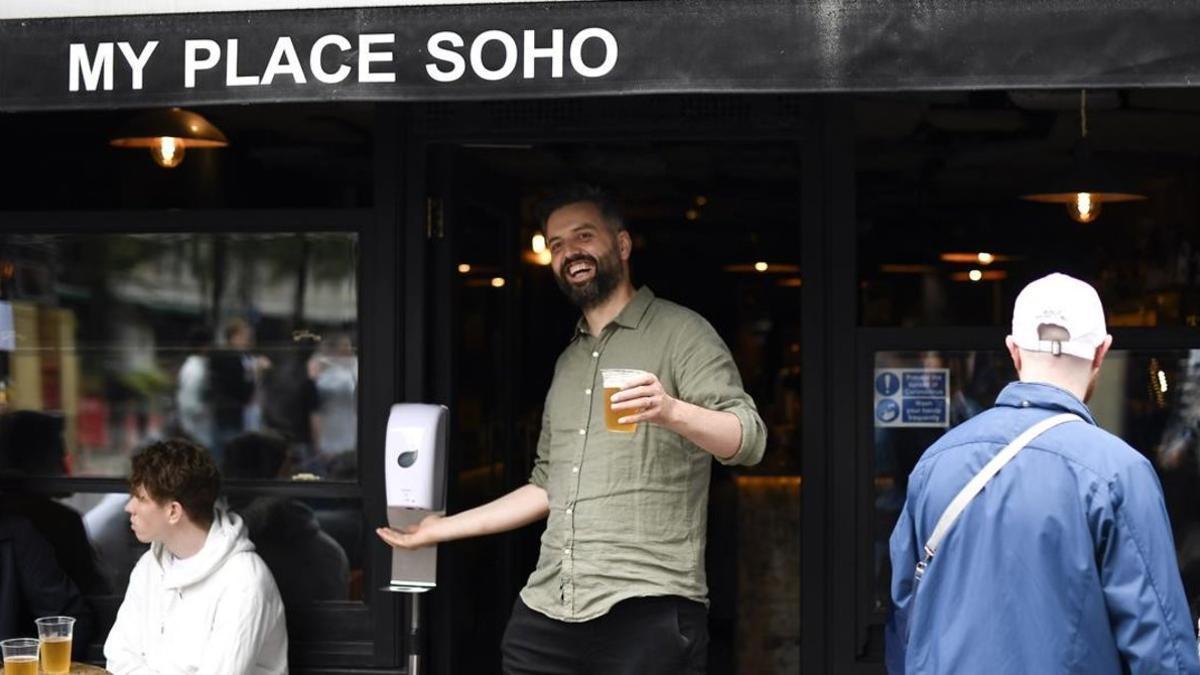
(516, 509)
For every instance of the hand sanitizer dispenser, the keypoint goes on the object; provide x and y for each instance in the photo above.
(415, 483)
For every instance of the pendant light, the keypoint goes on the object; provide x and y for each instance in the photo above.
(1088, 184)
(168, 134)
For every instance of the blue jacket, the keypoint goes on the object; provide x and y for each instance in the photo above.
(1064, 563)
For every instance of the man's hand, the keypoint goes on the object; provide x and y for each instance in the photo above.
(413, 536)
(646, 399)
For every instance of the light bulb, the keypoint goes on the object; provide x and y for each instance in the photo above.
(1084, 209)
(539, 243)
(761, 266)
(497, 282)
(985, 258)
(974, 275)
(167, 151)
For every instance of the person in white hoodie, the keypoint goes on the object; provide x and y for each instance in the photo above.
(200, 601)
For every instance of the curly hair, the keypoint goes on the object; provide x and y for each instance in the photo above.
(178, 470)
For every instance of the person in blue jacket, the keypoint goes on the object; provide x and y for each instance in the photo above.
(1064, 563)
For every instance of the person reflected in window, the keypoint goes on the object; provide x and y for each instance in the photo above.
(200, 600)
(308, 564)
(33, 584)
(289, 400)
(233, 378)
(620, 586)
(192, 396)
(334, 371)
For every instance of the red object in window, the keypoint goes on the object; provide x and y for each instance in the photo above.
(93, 423)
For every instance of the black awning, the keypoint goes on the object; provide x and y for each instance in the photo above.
(597, 48)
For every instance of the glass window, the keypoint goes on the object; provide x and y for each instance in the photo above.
(1149, 398)
(945, 237)
(111, 341)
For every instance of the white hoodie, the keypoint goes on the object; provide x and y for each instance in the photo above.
(215, 613)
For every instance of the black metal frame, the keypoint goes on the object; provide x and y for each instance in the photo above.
(815, 151)
(362, 634)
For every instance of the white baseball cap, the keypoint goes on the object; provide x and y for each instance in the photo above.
(1065, 302)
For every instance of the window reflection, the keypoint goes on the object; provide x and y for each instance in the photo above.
(108, 342)
(1149, 398)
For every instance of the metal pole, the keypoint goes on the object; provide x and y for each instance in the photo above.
(415, 638)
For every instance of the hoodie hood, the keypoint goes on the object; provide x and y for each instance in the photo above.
(227, 537)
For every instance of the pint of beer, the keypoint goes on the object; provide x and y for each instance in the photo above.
(20, 656)
(616, 379)
(55, 633)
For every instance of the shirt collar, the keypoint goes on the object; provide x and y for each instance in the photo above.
(631, 314)
(1042, 395)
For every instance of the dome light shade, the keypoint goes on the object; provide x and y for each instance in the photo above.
(168, 134)
(1088, 184)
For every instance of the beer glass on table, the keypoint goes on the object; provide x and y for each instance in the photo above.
(20, 656)
(616, 379)
(55, 633)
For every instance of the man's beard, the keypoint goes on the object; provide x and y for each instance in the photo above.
(604, 281)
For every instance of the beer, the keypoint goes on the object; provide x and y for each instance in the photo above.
(55, 633)
(56, 655)
(616, 379)
(21, 665)
(611, 416)
(20, 656)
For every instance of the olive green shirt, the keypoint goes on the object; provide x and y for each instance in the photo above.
(629, 511)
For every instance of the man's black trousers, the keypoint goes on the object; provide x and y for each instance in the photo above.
(641, 636)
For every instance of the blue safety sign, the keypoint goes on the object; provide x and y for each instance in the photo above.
(912, 397)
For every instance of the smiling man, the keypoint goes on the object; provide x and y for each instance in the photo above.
(200, 601)
(620, 585)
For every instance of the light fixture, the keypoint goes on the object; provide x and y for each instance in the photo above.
(168, 134)
(464, 268)
(497, 282)
(975, 275)
(539, 243)
(761, 266)
(1087, 185)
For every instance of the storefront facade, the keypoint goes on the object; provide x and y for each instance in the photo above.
(802, 174)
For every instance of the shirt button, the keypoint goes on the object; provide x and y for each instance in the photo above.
(595, 355)
(566, 551)
(588, 392)
(570, 511)
(582, 432)
(574, 469)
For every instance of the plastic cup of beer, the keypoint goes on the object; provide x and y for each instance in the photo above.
(55, 633)
(616, 379)
(20, 656)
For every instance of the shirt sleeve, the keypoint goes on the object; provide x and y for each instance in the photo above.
(707, 376)
(124, 650)
(541, 463)
(1142, 589)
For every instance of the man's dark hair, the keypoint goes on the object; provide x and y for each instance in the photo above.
(582, 192)
(181, 471)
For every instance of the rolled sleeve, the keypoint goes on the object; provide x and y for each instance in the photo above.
(754, 438)
(541, 463)
(708, 377)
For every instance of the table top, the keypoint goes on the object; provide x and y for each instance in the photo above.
(81, 669)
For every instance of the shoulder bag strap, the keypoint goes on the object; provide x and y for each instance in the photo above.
(975, 485)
